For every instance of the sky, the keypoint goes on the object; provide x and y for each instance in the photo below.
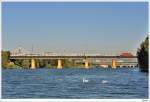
(76, 27)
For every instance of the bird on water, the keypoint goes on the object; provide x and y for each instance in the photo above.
(85, 80)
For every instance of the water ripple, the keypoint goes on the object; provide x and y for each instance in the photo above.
(68, 83)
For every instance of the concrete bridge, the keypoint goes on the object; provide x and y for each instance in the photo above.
(85, 58)
(104, 60)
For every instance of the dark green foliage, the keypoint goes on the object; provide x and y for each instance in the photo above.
(5, 58)
(142, 55)
(41, 63)
(18, 62)
(68, 63)
(25, 64)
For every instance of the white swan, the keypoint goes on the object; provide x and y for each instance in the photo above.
(104, 81)
(85, 80)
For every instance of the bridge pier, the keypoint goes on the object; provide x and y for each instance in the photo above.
(86, 64)
(33, 64)
(59, 65)
(114, 64)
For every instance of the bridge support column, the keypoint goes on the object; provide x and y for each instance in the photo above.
(33, 64)
(114, 64)
(59, 65)
(86, 64)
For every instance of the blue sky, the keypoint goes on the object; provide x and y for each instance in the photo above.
(74, 27)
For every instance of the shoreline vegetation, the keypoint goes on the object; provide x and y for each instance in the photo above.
(143, 54)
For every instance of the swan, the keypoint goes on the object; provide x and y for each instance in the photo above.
(85, 80)
(104, 81)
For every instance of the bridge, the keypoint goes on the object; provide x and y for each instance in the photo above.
(104, 60)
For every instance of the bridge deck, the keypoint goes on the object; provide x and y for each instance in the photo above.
(67, 57)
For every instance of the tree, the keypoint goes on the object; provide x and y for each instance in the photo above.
(18, 62)
(68, 63)
(41, 63)
(25, 63)
(5, 58)
(142, 55)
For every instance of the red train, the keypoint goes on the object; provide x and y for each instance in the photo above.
(126, 54)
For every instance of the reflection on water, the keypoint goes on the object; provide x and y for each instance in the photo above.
(74, 83)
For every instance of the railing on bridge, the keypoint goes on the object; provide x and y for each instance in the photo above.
(22, 52)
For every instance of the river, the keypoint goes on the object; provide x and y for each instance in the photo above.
(75, 83)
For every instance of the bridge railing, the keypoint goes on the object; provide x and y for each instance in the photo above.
(58, 54)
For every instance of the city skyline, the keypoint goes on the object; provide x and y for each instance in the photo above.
(74, 27)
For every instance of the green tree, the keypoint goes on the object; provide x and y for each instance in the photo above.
(18, 62)
(68, 63)
(41, 63)
(143, 54)
(5, 59)
(26, 64)
(53, 62)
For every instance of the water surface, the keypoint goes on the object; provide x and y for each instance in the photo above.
(68, 83)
